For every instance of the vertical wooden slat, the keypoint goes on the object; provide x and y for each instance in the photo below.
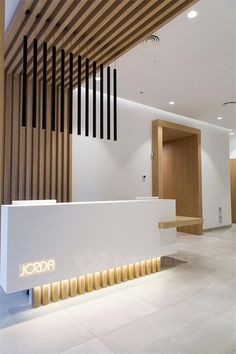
(47, 170)
(96, 281)
(69, 169)
(117, 275)
(81, 285)
(111, 277)
(142, 269)
(73, 286)
(53, 166)
(36, 295)
(136, 270)
(24, 81)
(7, 139)
(44, 96)
(35, 72)
(65, 151)
(62, 90)
(157, 161)
(35, 150)
(41, 163)
(55, 291)
(148, 267)
(130, 271)
(53, 90)
(45, 294)
(124, 273)
(103, 278)
(64, 289)
(28, 142)
(21, 148)
(59, 149)
(15, 138)
(70, 100)
(89, 282)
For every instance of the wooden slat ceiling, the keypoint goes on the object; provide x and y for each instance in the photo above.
(101, 30)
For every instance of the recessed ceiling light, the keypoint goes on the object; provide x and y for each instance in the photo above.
(231, 133)
(172, 102)
(219, 118)
(98, 78)
(192, 14)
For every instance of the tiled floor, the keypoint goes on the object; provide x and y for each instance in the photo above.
(188, 308)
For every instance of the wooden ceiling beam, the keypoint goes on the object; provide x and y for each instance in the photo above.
(117, 51)
(44, 30)
(105, 33)
(130, 35)
(101, 30)
(80, 23)
(16, 24)
(29, 24)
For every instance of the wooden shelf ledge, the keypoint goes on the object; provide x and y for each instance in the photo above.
(180, 221)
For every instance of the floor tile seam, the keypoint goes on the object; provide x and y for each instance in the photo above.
(65, 351)
(127, 324)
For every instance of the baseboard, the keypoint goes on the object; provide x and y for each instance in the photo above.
(218, 228)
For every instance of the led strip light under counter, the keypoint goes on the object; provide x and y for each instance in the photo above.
(57, 291)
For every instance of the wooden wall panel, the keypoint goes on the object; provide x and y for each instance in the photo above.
(180, 165)
(177, 168)
(2, 22)
(32, 157)
(233, 188)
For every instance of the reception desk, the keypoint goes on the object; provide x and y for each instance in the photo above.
(48, 243)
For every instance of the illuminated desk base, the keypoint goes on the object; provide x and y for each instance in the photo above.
(43, 295)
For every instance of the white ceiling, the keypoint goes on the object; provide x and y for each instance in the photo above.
(194, 64)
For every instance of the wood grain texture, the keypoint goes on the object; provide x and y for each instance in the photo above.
(32, 157)
(177, 169)
(233, 188)
(180, 221)
(100, 29)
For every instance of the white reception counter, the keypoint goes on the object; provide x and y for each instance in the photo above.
(42, 244)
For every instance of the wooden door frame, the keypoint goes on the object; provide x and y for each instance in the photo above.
(233, 188)
(157, 161)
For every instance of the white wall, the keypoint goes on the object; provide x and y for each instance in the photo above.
(108, 170)
(233, 147)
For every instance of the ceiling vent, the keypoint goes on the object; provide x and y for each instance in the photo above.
(152, 39)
